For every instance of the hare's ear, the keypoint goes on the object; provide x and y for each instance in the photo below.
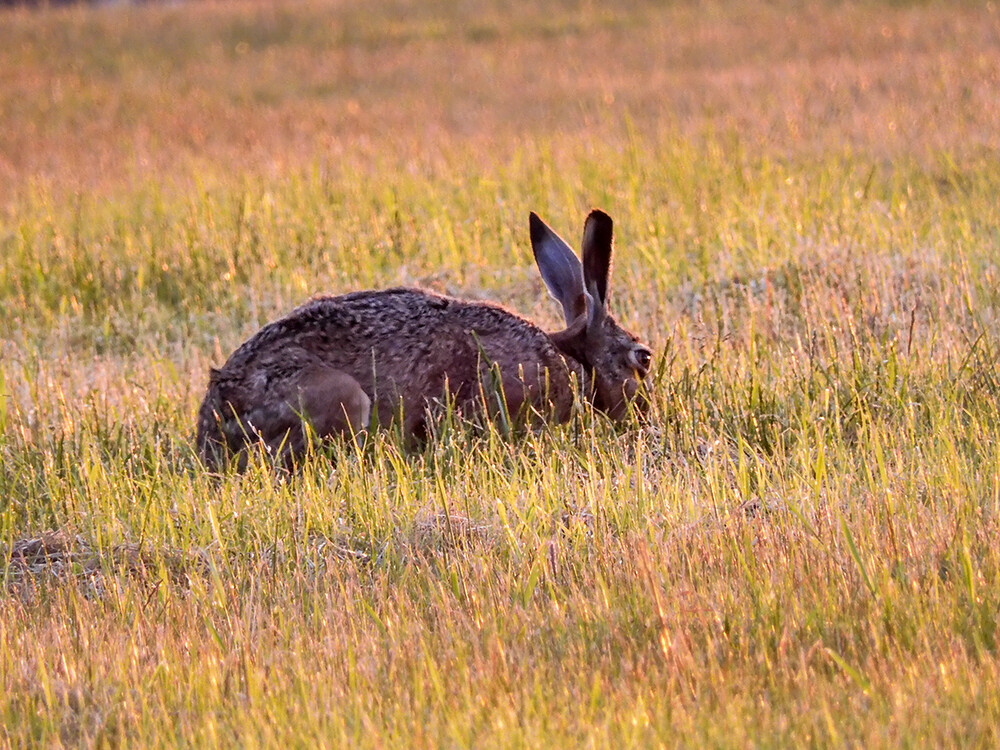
(560, 268)
(598, 238)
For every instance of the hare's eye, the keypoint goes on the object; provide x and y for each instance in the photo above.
(641, 358)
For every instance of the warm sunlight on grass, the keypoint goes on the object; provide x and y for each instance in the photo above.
(799, 548)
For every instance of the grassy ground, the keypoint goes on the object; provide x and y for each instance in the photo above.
(799, 549)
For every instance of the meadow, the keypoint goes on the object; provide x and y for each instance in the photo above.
(800, 546)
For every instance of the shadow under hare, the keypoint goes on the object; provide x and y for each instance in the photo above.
(339, 365)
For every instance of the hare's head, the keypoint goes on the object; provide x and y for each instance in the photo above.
(616, 361)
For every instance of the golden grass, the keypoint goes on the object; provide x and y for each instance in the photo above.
(798, 549)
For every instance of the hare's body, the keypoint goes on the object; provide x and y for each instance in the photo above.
(382, 354)
(340, 363)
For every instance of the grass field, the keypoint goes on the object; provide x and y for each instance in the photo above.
(799, 549)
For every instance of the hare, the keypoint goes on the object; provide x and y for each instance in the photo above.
(337, 365)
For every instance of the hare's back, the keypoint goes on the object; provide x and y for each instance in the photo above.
(394, 336)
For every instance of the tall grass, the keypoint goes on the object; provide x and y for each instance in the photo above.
(798, 548)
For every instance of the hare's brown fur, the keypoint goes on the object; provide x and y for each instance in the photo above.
(338, 363)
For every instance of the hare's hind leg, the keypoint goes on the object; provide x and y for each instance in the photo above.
(332, 402)
(318, 402)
